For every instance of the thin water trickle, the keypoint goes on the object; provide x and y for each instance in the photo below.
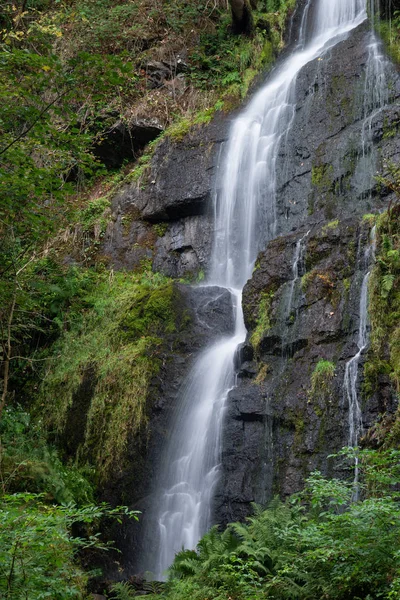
(291, 295)
(351, 370)
(376, 97)
(245, 219)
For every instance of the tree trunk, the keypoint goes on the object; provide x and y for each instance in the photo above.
(242, 16)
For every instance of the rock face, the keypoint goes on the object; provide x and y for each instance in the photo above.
(122, 141)
(278, 427)
(328, 167)
(169, 219)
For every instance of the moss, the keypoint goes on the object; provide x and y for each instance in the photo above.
(160, 229)
(370, 219)
(384, 306)
(263, 370)
(331, 225)
(178, 130)
(263, 322)
(316, 277)
(299, 427)
(321, 381)
(346, 284)
(321, 176)
(118, 337)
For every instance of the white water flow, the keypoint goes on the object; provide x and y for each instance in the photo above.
(351, 369)
(245, 218)
(376, 96)
(297, 262)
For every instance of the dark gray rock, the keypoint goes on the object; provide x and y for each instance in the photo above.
(123, 141)
(184, 249)
(275, 432)
(324, 169)
(177, 193)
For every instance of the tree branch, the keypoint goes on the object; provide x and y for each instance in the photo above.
(32, 125)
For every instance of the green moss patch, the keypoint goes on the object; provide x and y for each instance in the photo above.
(321, 381)
(263, 319)
(115, 342)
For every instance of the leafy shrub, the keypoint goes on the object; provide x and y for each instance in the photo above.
(316, 545)
(38, 551)
(29, 464)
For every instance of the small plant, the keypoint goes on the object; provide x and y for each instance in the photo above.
(329, 226)
(122, 591)
(263, 322)
(321, 381)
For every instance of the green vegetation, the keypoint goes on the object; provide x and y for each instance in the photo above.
(29, 464)
(389, 30)
(325, 279)
(41, 501)
(321, 176)
(321, 381)
(37, 550)
(112, 348)
(384, 310)
(263, 319)
(316, 545)
(331, 225)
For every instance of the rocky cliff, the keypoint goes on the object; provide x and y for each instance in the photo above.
(302, 303)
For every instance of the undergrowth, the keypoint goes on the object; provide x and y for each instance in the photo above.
(317, 544)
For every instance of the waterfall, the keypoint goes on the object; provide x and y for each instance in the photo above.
(245, 219)
(351, 368)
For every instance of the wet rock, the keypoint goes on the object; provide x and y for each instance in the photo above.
(325, 170)
(275, 431)
(168, 219)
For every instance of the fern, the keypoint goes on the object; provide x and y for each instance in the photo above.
(387, 285)
(123, 591)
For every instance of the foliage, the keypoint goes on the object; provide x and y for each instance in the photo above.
(316, 545)
(384, 303)
(321, 381)
(111, 350)
(263, 319)
(38, 551)
(389, 30)
(29, 464)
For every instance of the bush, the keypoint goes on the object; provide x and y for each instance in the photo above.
(38, 551)
(316, 545)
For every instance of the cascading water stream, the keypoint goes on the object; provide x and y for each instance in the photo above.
(351, 369)
(245, 219)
